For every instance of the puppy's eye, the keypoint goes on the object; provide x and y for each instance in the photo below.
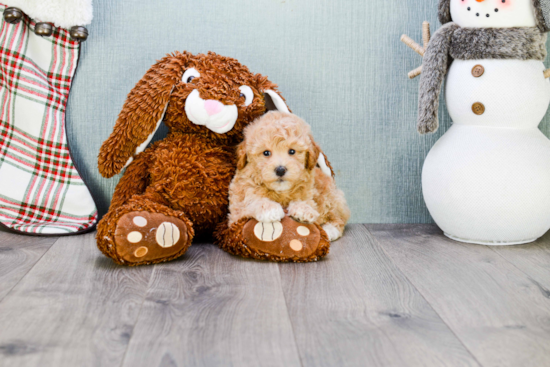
(267, 153)
(247, 93)
(291, 152)
(189, 75)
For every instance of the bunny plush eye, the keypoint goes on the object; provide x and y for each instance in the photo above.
(247, 93)
(189, 75)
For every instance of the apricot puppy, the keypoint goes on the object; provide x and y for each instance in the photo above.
(278, 170)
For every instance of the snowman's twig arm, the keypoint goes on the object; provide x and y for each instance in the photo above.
(416, 72)
(426, 36)
(547, 73)
(415, 46)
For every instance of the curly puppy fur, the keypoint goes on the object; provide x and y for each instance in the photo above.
(186, 175)
(277, 170)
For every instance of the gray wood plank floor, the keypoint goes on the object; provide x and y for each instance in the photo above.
(387, 295)
(501, 314)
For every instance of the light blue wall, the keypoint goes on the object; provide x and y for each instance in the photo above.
(339, 64)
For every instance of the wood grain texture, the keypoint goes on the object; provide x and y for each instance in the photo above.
(213, 309)
(18, 254)
(498, 311)
(357, 309)
(399, 295)
(533, 259)
(74, 308)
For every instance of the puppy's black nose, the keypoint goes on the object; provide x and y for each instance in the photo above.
(280, 171)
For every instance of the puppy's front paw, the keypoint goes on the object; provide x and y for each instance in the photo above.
(333, 233)
(303, 212)
(270, 212)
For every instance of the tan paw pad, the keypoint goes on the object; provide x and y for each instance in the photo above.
(167, 235)
(296, 245)
(140, 221)
(268, 232)
(134, 237)
(141, 251)
(303, 231)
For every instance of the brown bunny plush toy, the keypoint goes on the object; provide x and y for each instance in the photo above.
(178, 187)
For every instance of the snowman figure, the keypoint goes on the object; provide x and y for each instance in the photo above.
(487, 180)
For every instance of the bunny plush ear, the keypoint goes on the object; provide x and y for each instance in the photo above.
(274, 102)
(316, 158)
(324, 164)
(140, 117)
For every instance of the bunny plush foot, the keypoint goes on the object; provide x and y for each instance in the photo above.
(282, 241)
(144, 232)
(144, 237)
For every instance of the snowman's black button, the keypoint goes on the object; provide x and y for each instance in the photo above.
(478, 71)
(478, 108)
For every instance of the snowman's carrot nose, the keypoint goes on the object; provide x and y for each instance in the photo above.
(480, 1)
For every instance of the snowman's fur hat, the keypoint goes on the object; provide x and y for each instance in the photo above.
(542, 13)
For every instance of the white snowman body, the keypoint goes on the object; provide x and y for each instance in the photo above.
(487, 180)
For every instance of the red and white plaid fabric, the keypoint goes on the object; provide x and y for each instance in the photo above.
(41, 192)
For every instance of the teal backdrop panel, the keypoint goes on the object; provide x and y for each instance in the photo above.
(339, 64)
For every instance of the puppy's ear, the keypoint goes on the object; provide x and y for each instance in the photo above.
(312, 155)
(241, 156)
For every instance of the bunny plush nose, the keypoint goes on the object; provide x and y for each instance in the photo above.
(212, 107)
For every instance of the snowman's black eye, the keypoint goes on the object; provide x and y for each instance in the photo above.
(469, 8)
(496, 10)
(488, 15)
(267, 153)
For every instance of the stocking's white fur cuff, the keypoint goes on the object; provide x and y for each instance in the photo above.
(62, 13)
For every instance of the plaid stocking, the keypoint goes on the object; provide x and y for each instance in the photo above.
(41, 192)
